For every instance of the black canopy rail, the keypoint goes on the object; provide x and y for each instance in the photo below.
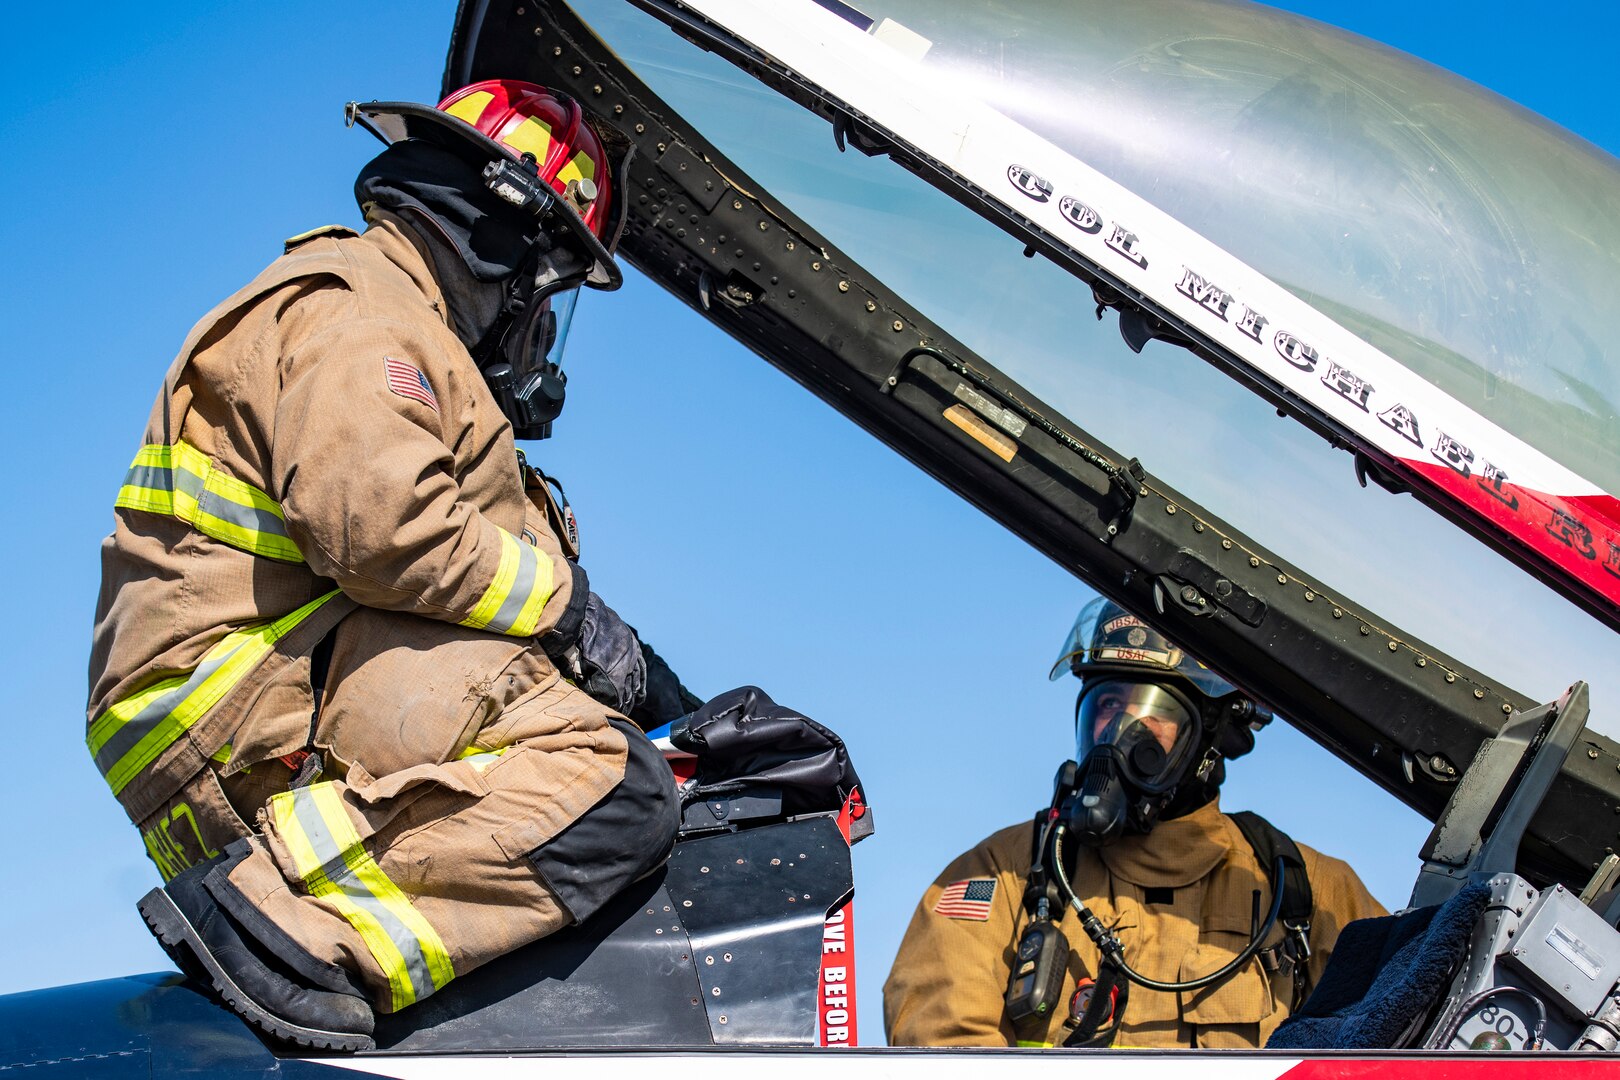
(1394, 708)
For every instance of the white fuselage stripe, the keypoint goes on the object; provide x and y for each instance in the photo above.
(967, 1064)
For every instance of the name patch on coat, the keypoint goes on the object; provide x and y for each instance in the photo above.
(967, 899)
(407, 381)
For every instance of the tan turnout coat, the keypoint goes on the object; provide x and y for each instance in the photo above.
(413, 506)
(950, 976)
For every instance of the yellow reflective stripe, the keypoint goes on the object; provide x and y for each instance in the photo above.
(283, 811)
(580, 168)
(369, 876)
(471, 107)
(481, 759)
(335, 866)
(533, 136)
(132, 732)
(522, 584)
(181, 481)
(495, 595)
(1030, 1044)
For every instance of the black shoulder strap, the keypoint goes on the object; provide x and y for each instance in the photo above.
(1039, 883)
(1036, 827)
(1270, 842)
(1041, 878)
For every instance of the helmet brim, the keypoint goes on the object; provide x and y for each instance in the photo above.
(393, 121)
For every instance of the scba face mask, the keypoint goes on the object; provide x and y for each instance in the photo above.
(1149, 725)
(1135, 743)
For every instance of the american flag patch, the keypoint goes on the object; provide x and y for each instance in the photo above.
(407, 381)
(969, 899)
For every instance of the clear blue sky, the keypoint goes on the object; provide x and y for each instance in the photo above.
(154, 157)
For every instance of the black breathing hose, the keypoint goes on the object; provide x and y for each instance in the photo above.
(1105, 940)
(1466, 1010)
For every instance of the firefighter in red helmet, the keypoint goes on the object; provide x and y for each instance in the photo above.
(348, 677)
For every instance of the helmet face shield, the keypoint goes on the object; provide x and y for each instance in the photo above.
(535, 344)
(524, 368)
(1149, 728)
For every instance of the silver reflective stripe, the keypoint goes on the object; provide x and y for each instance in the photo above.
(157, 478)
(239, 514)
(208, 494)
(141, 724)
(150, 476)
(188, 482)
(522, 586)
(338, 873)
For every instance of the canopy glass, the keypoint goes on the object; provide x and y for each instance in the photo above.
(1473, 241)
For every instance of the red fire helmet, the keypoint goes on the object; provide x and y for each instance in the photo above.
(520, 121)
(529, 119)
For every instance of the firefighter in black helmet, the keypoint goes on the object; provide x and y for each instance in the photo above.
(1131, 890)
(1153, 726)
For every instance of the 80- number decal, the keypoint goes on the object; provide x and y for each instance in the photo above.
(1493, 1028)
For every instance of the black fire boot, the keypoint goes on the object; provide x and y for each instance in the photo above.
(300, 1002)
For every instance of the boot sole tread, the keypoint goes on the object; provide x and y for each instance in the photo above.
(175, 932)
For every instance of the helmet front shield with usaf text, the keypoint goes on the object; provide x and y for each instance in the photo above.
(1106, 637)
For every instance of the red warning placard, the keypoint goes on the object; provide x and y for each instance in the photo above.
(836, 1002)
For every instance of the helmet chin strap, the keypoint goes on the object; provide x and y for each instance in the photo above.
(488, 349)
(1197, 790)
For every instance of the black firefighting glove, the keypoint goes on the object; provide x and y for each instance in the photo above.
(597, 649)
(667, 699)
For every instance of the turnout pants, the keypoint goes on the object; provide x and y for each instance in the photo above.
(472, 802)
